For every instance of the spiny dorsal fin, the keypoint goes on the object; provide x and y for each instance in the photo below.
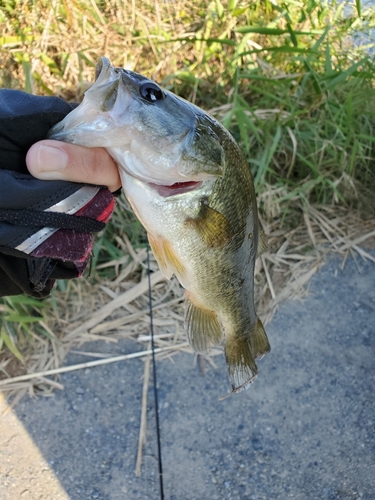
(202, 327)
(212, 226)
(262, 242)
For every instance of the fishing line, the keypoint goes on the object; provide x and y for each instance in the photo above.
(160, 463)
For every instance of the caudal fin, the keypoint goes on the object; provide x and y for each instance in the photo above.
(241, 352)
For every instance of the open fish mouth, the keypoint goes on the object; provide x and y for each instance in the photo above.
(176, 188)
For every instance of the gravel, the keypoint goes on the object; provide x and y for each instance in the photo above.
(305, 430)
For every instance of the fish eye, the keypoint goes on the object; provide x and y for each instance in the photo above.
(151, 92)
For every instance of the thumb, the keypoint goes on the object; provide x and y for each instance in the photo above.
(54, 160)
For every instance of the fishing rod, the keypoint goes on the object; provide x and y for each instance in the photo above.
(160, 463)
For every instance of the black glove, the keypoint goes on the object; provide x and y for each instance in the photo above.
(45, 226)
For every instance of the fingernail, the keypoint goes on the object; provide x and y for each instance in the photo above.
(51, 159)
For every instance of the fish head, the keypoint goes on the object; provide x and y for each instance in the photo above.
(151, 133)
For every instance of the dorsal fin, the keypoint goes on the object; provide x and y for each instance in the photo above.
(262, 242)
(259, 341)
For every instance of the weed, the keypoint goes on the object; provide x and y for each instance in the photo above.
(283, 76)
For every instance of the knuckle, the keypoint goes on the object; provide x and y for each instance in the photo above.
(93, 166)
(87, 163)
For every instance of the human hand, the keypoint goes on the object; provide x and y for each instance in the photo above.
(46, 227)
(55, 160)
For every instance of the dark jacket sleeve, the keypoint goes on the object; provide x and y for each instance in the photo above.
(27, 204)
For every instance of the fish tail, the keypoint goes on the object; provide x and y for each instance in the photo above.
(241, 352)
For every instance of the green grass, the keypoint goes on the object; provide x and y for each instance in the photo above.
(19, 315)
(284, 78)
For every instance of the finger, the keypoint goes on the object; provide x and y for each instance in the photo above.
(54, 160)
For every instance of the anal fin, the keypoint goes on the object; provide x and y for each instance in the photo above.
(202, 327)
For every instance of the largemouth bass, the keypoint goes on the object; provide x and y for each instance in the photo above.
(189, 184)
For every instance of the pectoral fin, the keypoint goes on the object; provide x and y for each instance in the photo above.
(202, 327)
(212, 226)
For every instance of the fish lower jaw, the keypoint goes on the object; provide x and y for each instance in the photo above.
(176, 188)
(176, 183)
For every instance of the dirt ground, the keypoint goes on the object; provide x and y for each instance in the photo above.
(305, 429)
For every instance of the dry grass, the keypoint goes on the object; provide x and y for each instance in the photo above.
(51, 47)
(118, 309)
